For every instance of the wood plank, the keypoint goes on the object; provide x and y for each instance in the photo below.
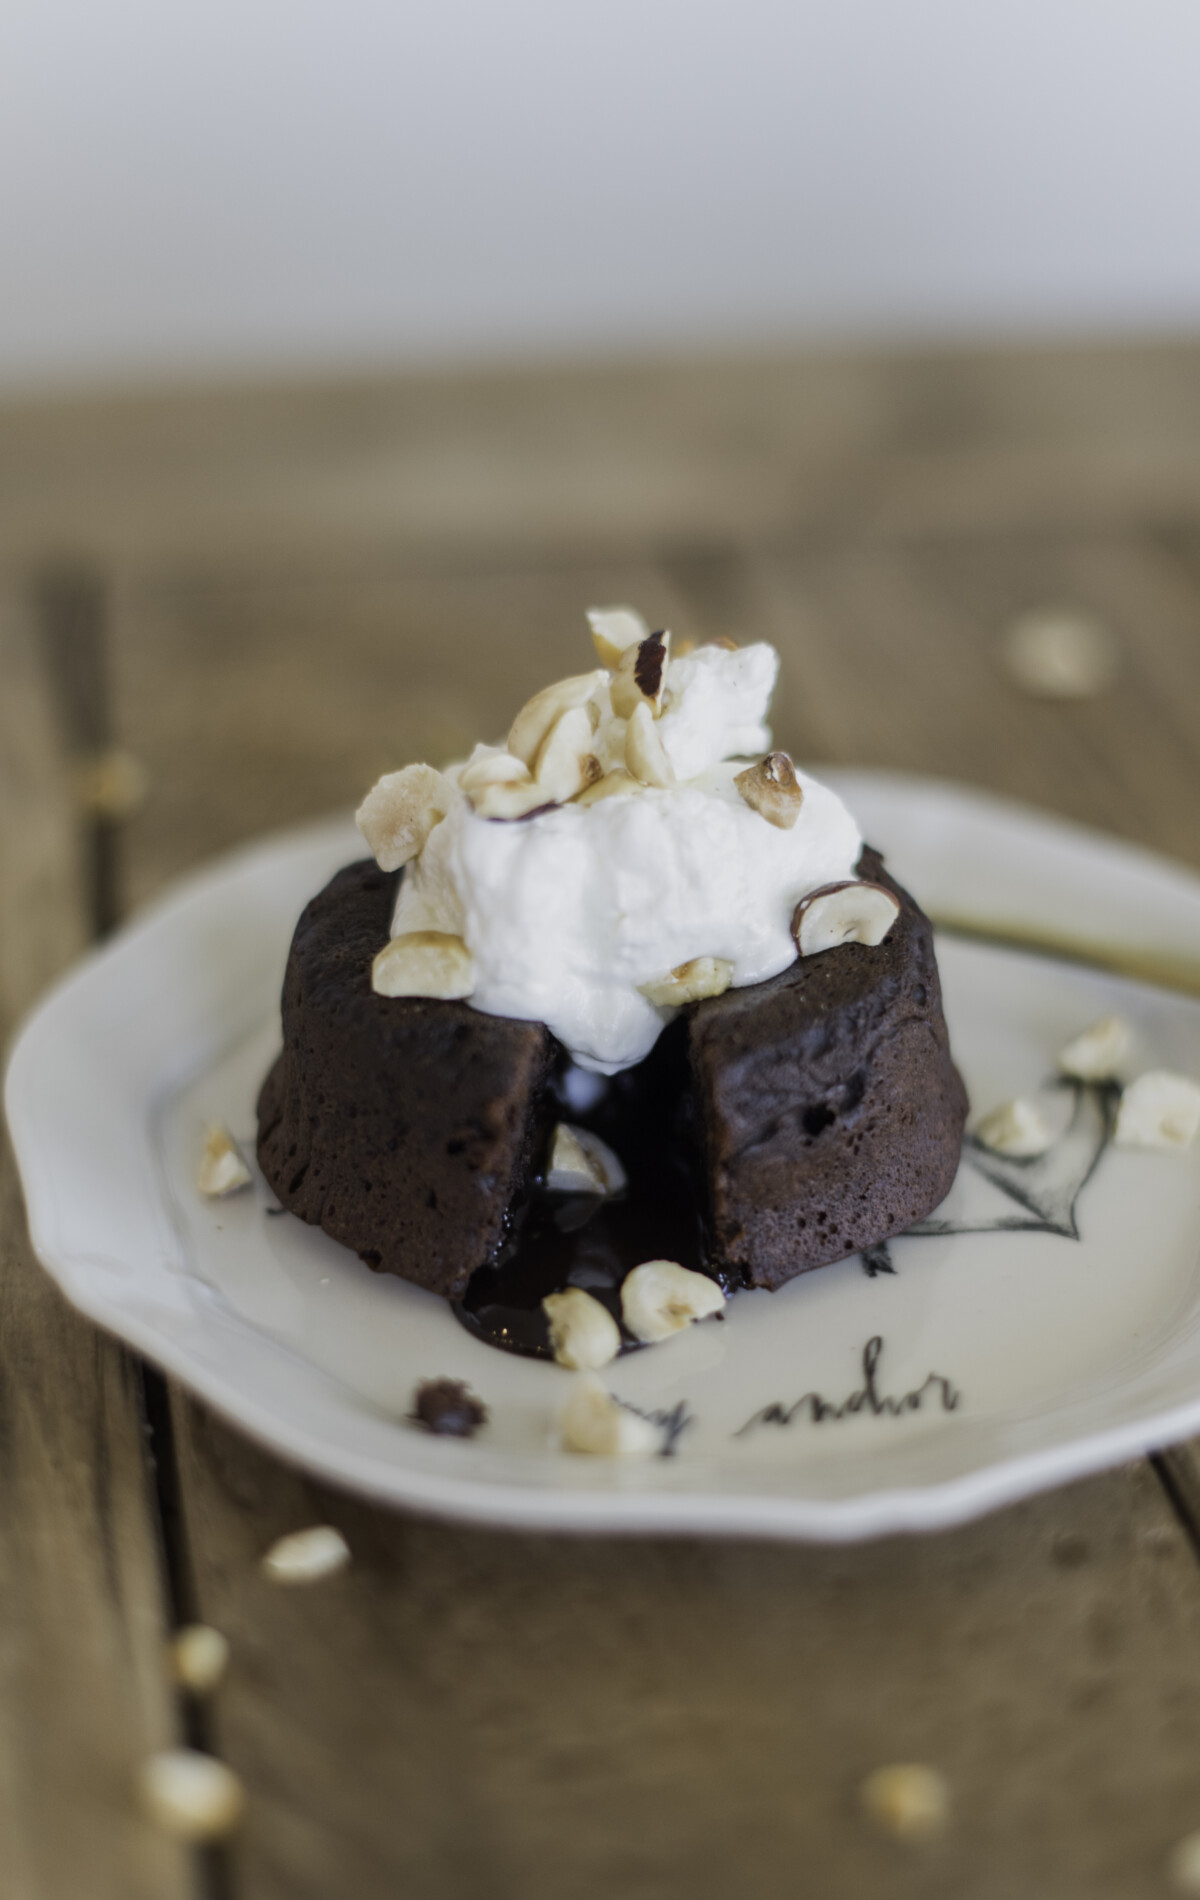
(463, 1712)
(592, 458)
(83, 1692)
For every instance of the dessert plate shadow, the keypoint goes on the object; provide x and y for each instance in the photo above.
(1045, 1323)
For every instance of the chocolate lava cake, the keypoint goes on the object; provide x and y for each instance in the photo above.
(772, 1129)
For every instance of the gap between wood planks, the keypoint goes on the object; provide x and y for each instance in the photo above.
(72, 605)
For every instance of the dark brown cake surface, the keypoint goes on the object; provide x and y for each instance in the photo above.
(406, 1128)
(832, 1113)
(816, 1114)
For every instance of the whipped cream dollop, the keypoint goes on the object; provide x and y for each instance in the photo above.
(569, 912)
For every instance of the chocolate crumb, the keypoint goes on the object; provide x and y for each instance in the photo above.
(448, 1407)
(648, 667)
(274, 1210)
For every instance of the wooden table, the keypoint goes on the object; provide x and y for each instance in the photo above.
(267, 595)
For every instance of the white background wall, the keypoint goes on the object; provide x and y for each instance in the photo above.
(248, 183)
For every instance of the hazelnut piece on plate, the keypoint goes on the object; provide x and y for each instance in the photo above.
(1159, 1110)
(583, 1333)
(222, 1170)
(660, 1298)
(1016, 1128)
(594, 1423)
(1099, 1052)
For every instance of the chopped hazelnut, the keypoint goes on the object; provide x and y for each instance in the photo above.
(1061, 653)
(645, 753)
(199, 1657)
(222, 1170)
(1017, 1128)
(493, 768)
(307, 1556)
(509, 799)
(1159, 1110)
(566, 763)
(533, 722)
(907, 1801)
(689, 983)
(615, 784)
(399, 812)
(1099, 1053)
(580, 1163)
(771, 789)
(424, 963)
(190, 1795)
(593, 1423)
(854, 912)
(613, 630)
(660, 1298)
(583, 1333)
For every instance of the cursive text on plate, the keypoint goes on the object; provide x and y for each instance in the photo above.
(867, 1398)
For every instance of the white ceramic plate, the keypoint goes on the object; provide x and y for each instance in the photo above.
(1031, 1356)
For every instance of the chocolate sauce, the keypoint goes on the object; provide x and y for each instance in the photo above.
(593, 1241)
